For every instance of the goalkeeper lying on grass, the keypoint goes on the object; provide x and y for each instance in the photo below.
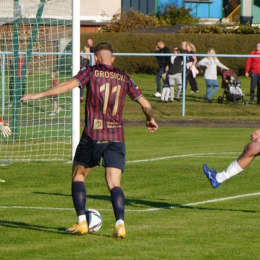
(5, 129)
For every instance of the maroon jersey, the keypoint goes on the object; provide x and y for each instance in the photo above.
(106, 91)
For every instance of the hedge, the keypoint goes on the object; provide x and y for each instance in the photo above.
(145, 43)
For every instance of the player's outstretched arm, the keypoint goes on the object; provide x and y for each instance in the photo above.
(5, 129)
(56, 90)
(148, 111)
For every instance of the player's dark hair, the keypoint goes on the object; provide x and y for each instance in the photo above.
(104, 46)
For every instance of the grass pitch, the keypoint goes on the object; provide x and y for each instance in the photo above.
(171, 210)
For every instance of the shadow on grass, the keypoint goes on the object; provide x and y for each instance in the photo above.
(128, 202)
(153, 205)
(23, 225)
(16, 224)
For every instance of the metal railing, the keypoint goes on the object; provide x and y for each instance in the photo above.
(234, 17)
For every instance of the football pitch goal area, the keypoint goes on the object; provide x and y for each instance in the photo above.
(36, 40)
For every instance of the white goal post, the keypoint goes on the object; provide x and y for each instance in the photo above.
(36, 51)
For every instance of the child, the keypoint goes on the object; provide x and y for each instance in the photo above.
(234, 86)
(165, 93)
(166, 88)
(54, 99)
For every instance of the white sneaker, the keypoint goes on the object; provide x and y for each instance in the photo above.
(157, 94)
(58, 110)
(52, 114)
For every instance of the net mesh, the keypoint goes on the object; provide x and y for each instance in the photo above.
(35, 53)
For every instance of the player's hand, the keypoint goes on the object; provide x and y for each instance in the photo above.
(29, 96)
(152, 125)
(6, 131)
(247, 74)
(255, 136)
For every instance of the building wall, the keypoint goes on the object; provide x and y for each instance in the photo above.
(256, 12)
(143, 6)
(92, 10)
(210, 9)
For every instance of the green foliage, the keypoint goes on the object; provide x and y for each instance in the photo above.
(171, 14)
(246, 29)
(219, 29)
(145, 43)
(130, 20)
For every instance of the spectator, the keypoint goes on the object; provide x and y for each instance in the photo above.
(175, 74)
(85, 59)
(253, 66)
(12, 79)
(211, 63)
(183, 47)
(165, 91)
(54, 99)
(163, 62)
(191, 67)
(90, 45)
(84, 62)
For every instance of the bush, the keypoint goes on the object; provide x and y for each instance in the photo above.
(171, 14)
(130, 20)
(145, 43)
(217, 29)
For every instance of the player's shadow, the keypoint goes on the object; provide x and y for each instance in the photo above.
(16, 224)
(161, 204)
(38, 228)
(52, 194)
(128, 202)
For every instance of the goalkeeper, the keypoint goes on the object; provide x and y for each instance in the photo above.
(5, 129)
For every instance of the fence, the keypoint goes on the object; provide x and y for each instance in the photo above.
(41, 137)
(153, 55)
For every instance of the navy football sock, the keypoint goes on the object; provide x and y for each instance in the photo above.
(118, 202)
(79, 197)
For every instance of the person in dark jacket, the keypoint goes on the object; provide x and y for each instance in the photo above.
(163, 62)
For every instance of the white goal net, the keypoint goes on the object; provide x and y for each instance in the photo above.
(35, 53)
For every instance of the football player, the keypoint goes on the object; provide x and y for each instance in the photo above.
(103, 134)
(250, 151)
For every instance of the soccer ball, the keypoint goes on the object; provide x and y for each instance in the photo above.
(94, 220)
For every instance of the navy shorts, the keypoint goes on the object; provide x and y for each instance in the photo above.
(89, 153)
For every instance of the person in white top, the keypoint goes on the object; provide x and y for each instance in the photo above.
(211, 63)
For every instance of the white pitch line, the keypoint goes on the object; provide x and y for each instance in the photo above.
(202, 202)
(180, 156)
(144, 210)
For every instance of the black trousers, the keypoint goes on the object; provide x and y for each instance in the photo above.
(192, 81)
(255, 82)
(12, 91)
